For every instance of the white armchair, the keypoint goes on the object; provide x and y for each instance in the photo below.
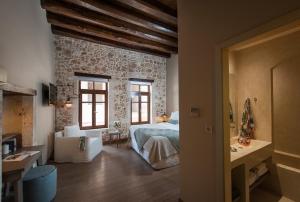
(67, 145)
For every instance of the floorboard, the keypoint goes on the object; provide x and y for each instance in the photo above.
(116, 175)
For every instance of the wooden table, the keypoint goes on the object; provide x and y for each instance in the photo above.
(13, 172)
(113, 133)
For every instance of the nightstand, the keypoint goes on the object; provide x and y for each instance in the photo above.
(113, 133)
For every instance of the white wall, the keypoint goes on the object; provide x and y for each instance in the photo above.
(172, 84)
(202, 26)
(26, 53)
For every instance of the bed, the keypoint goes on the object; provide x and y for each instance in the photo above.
(160, 148)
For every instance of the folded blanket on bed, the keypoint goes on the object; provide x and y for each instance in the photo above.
(143, 134)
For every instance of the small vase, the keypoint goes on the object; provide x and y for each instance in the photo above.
(244, 141)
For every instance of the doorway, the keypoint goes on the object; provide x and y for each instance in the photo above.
(253, 69)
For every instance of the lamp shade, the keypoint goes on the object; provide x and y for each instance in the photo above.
(164, 117)
(68, 103)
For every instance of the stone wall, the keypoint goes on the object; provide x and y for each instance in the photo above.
(18, 117)
(73, 55)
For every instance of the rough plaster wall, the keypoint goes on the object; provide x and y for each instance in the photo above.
(254, 66)
(172, 84)
(73, 55)
(286, 129)
(286, 110)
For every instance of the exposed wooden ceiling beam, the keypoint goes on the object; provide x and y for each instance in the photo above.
(84, 28)
(150, 10)
(168, 6)
(73, 34)
(110, 10)
(91, 17)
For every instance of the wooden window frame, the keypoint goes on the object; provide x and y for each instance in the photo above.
(140, 94)
(94, 93)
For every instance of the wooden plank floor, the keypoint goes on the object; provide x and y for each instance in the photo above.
(116, 175)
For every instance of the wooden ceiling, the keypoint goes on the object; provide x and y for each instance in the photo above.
(148, 26)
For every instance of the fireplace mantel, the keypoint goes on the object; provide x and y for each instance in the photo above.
(11, 89)
(18, 111)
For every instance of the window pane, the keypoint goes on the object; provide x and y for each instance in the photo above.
(135, 112)
(100, 98)
(144, 98)
(87, 114)
(100, 86)
(144, 88)
(100, 114)
(135, 88)
(135, 98)
(86, 85)
(86, 97)
(144, 112)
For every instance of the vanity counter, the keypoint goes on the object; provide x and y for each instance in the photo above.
(250, 155)
(245, 158)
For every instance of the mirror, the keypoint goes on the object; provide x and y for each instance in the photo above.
(232, 105)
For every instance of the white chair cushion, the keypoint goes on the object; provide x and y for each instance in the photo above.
(73, 131)
(66, 149)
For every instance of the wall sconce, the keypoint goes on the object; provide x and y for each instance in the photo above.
(68, 103)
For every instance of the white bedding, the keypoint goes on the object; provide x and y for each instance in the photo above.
(157, 151)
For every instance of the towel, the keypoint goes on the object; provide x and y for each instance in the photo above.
(261, 172)
(257, 172)
(261, 166)
(247, 126)
(252, 177)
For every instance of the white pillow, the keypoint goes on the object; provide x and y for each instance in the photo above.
(73, 131)
(175, 115)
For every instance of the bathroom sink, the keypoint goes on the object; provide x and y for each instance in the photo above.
(237, 147)
(239, 151)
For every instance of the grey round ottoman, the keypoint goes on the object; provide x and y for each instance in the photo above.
(39, 184)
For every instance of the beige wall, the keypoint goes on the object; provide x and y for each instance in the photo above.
(203, 25)
(285, 178)
(26, 54)
(172, 84)
(286, 100)
(253, 73)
